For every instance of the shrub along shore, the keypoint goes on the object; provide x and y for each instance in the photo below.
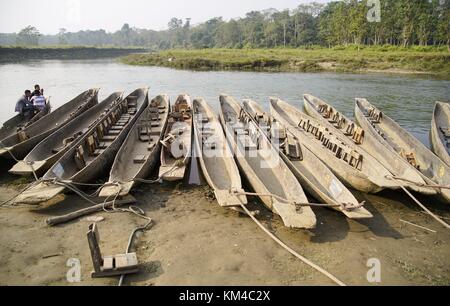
(17, 54)
(415, 60)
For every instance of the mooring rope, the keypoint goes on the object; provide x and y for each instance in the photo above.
(290, 250)
(343, 206)
(433, 186)
(425, 209)
(394, 178)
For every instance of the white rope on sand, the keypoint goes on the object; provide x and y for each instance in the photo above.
(290, 250)
(425, 209)
(446, 225)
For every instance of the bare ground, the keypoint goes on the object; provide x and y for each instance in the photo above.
(196, 242)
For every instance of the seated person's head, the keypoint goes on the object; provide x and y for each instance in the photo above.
(37, 87)
(27, 93)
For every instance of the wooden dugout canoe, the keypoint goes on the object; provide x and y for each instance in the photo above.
(177, 141)
(140, 152)
(93, 154)
(338, 123)
(215, 157)
(440, 131)
(262, 166)
(353, 167)
(312, 173)
(391, 135)
(49, 150)
(19, 122)
(22, 142)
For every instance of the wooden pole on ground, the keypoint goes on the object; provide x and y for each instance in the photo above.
(87, 211)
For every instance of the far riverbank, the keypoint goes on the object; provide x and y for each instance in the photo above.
(433, 61)
(18, 54)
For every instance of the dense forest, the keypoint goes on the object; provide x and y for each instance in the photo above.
(368, 22)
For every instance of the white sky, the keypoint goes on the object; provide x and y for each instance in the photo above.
(74, 15)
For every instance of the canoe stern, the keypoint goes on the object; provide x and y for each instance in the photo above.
(26, 169)
(38, 194)
(293, 217)
(112, 190)
(172, 173)
(226, 198)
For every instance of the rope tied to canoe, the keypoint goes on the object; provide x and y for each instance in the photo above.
(343, 206)
(433, 186)
(290, 250)
(446, 225)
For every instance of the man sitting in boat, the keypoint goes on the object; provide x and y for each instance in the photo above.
(39, 101)
(37, 90)
(24, 106)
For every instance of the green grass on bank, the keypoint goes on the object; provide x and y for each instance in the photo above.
(431, 60)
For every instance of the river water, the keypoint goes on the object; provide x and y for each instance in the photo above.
(407, 99)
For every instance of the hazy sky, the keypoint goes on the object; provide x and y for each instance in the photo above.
(74, 15)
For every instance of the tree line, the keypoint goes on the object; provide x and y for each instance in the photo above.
(366, 22)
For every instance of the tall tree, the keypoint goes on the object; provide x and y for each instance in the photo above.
(29, 36)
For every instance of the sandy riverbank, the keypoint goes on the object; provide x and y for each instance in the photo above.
(196, 242)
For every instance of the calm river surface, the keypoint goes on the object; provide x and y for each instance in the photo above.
(407, 99)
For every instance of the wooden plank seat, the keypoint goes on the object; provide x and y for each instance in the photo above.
(109, 137)
(140, 159)
(113, 132)
(241, 131)
(350, 129)
(98, 152)
(340, 123)
(325, 141)
(356, 159)
(411, 158)
(117, 127)
(108, 266)
(247, 143)
(445, 131)
(206, 129)
(335, 118)
(346, 154)
(145, 138)
(369, 112)
(292, 149)
(358, 135)
(79, 157)
(22, 136)
(103, 145)
(209, 145)
(91, 144)
(376, 116)
(338, 152)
